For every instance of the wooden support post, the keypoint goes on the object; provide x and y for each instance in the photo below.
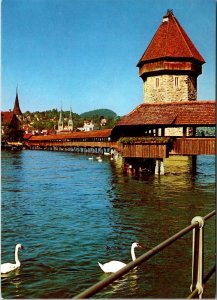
(194, 164)
(159, 167)
(194, 131)
(184, 131)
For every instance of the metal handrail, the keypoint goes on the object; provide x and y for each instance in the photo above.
(144, 257)
(209, 274)
(205, 279)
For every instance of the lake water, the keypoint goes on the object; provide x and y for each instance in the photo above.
(70, 212)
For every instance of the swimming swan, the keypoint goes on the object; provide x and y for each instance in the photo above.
(8, 267)
(114, 265)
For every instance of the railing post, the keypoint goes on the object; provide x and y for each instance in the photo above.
(197, 256)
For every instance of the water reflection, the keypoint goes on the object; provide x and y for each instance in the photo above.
(129, 280)
(14, 279)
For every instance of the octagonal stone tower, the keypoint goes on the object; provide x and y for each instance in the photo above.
(170, 65)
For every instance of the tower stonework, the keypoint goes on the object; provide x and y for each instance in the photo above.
(168, 87)
(170, 65)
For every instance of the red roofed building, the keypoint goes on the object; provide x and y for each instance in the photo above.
(170, 65)
(11, 126)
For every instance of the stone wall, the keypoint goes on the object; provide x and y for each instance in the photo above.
(167, 88)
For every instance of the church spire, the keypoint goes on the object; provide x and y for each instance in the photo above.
(70, 122)
(60, 122)
(16, 109)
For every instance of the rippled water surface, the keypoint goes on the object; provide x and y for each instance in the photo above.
(70, 212)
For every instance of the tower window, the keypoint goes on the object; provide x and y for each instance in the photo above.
(157, 82)
(176, 82)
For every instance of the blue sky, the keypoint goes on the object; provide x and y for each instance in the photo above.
(83, 53)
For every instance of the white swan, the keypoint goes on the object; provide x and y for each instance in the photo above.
(8, 267)
(114, 265)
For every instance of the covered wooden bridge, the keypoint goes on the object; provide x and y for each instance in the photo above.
(87, 141)
(150, 131)
(161, 129)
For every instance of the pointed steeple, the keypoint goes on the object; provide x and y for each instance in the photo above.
(16, 109)
(70, 122)
(60, 122)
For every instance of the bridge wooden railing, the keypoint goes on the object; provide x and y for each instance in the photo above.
(194, 146)
(138, 149)
(144, 150)
(85, 144)
(178, 146)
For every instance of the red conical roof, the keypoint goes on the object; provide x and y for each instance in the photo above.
(16, 109)
(170, 41)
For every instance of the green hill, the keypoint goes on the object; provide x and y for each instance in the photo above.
(107, 113)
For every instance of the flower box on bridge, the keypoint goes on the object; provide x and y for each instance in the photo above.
(144, 147)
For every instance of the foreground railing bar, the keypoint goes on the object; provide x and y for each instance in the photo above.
(205, 279)
(209, 274)
(194, 293)
(209, 215)
(101, 284)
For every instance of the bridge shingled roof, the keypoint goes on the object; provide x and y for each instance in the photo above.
(105, 133)
(170, 41)
(172, 113)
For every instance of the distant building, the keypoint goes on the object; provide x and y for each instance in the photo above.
(103, 121)
(70, 121)
(17, 110)
(11, 123)
(88, 126)
(65, 128)
(60, 122)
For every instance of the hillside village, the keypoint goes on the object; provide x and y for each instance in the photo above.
(16, 125)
